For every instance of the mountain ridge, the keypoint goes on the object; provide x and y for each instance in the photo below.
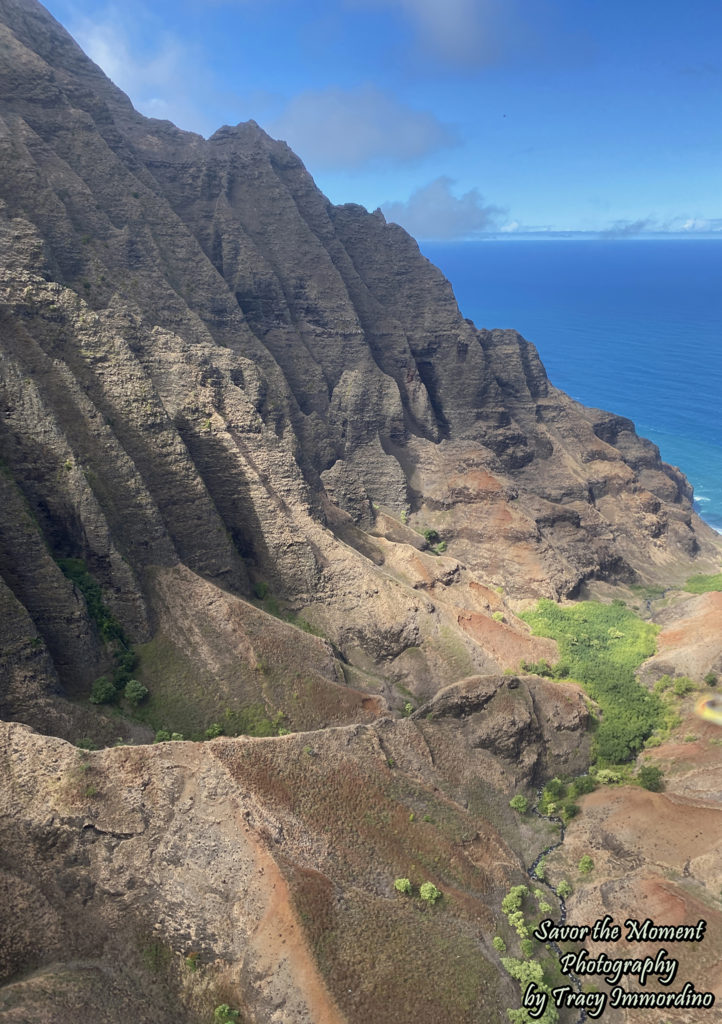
(252, 455)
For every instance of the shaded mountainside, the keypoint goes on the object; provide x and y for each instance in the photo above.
(251, 453)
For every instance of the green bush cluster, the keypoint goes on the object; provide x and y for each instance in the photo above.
(542, 668)
(651, 777)
(602, 645)
(527, 972)
(585, 865)
(703, 584)
(559, 797)
(429, 892)
(511, 906)
(519, 803)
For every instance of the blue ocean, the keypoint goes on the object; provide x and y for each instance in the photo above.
(633, 326)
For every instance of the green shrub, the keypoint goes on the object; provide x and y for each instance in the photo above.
(527, 972)
(602, 646)
(519, 803)
(710, 679)
(702, 584)
(261, 590)
(429, 892)
(403, 885)
(162, 736)
(583, 784)
(223, 1014)
(683, 685)
(585, 865)
(564, 889)
(432, 536)
(513, 899)
(213, 730)
(497, 616)
(86, 743)
(135, 693)
(651, 778)
(498, 944)
(103, 691)
(527, 947)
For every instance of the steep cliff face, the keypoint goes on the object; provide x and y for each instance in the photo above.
(208, 367)
(249, 447)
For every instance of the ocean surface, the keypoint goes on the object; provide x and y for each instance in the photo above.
(632, 326)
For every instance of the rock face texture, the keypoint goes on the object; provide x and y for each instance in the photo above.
(250, 448)
(208, 369)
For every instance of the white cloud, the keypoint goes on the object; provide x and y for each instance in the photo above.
(348, 128)
(432, 211)
(156, 77)
(628, 228)
(459, 32)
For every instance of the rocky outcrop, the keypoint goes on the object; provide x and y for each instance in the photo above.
(163, 881)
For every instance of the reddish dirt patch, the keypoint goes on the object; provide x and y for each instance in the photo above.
(694, 643)
(504, 643)
(476, 481)
(656, 856)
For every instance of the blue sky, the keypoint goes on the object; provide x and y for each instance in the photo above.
(457, 117)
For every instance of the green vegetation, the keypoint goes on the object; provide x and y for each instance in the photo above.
(558, 797)
(710, 679)
(527, 972)
(543, 668)
(585, 865)
(602, 645)
(103, 691)
(429, 892)
(498, 944)
(647, 592)
(135, 693)
(564, 889)
(703, 584)
(223, 1014)
(108, 626)
(403, 885)
(519, 803)
(156, 956)
(650, 777)
(497, 616)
